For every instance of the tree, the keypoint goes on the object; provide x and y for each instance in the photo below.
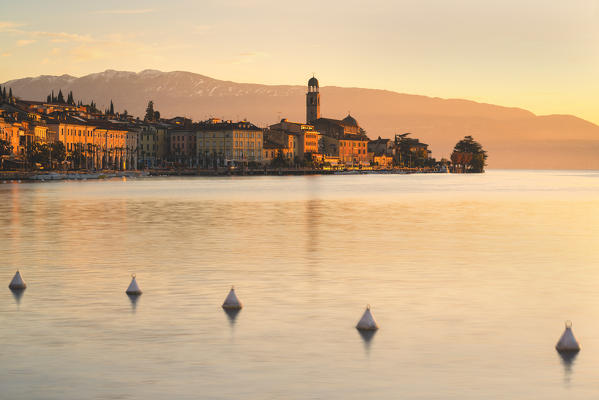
(70, 99)
(60, 98)
(52, 99)
(469, 155)
(33, 153)
(280, 161)
(150, 115)
(111, 108)
(76, 157)
(59, 152)
(156, 115)
(9, 93)
(5, 148)
(48, 99)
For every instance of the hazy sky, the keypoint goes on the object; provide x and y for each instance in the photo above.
(539, 55)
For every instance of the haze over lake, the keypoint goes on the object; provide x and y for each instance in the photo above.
(469, 276)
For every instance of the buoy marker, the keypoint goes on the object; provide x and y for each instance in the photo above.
(17, 282)
(367, 322)
(567, 343)
(232, 302)
(133, 289)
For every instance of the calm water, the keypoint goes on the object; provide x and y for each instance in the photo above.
(469, 276)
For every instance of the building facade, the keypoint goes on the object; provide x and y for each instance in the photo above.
(226, 143)
(353, 151)
(183, 147)
(148, 146)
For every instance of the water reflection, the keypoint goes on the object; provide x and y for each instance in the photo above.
(367, 337)
(134, 298)
(568, 358)
(231, 315)
(17, 294)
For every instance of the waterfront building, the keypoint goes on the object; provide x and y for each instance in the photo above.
(329, 146)
(132, 143)
(147, 147)
(112, 141)
(17, 129)
(343, 138)
(381, 147)
(270, 151)
(91, 144)
(183, 147)
(227, 143)
(306, 138)
(383, 161)
(410, 152)
(162, 143)
(288, 143)
(9, 133)
(353, 150)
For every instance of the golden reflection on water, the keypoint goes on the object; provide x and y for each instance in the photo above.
(470, 278)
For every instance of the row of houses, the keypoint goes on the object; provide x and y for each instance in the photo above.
(96, 140)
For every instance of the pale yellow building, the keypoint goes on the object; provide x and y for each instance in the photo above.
(226, 143)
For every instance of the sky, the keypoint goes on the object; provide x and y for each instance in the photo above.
(539, 55)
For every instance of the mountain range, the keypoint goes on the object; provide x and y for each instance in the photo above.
(513, 137)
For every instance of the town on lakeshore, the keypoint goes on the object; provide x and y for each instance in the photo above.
(42, 137)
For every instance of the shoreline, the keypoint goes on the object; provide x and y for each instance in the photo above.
(43, 176)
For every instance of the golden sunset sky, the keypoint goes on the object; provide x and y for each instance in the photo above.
(538, 55)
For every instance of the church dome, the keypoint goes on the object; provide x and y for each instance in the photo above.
(313, 82)
(349, 120)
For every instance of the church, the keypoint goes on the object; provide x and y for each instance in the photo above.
(327, 126)
(342, 138)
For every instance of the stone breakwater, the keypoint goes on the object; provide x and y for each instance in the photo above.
(42, 176)
(36, 176)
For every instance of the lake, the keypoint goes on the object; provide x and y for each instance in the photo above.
(470, 278)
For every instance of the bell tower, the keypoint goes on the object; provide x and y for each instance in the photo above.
(312, 101)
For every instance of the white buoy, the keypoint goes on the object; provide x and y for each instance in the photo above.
(567, 342)
(133, 288)
(232, 302)
(17, 282)
(367, 322)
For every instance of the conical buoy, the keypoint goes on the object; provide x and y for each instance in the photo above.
(232, 302)
(133, 289)
(567, 342)
(367, 322)
(17, 282)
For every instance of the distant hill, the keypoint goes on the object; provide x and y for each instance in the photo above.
(514, 138)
